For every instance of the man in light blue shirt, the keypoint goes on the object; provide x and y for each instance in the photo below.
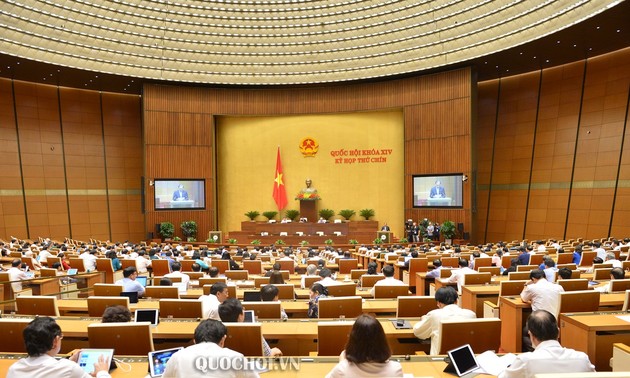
(129, 282)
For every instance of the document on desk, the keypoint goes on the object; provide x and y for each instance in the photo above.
(492, 364)
(625, 318)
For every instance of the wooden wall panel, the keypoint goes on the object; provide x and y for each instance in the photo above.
(579, 161)
(438, 119)
(61, 161)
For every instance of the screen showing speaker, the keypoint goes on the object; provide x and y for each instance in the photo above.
(179, 194)
(445, 190)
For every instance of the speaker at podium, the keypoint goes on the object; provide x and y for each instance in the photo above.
(215, 237)
(385, 236)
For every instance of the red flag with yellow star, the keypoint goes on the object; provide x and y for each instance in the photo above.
(279, 190)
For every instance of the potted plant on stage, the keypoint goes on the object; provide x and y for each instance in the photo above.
(448, 231)
(252, 214)
(346, 213)
(304, 243)
(328, 242)
(292, 214)
(326, 214)
(232, 241)
(353, 241)
(256, 242)
(167, 230)
(270, 215)
(189, 229)
(366, 213)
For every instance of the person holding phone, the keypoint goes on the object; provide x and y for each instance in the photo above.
(42, 339)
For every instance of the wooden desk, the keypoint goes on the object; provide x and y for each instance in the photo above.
(45, 286)
(293, 308)
(594, 334)
(473, 297)
(514, 312)
(422, 283)
(293, 337)
(311, 366)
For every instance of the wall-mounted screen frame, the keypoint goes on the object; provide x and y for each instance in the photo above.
(438, 191)
(179, 194)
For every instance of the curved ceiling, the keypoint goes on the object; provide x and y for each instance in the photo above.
(277, 42)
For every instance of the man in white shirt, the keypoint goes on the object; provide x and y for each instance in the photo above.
(540, 248)
(44, 254)
(389, 280)
(429, 324)
(548, 356)
(142, 263)
(42, 338)
(612, 260)
(89, 260)
(542, 294)
(177, 267)
(615, 274)
(601, 252)
(208, 351)
(16, 274)
(311, 271)
(326, 280)
(129, 282)
(458, 274)
(210, 303)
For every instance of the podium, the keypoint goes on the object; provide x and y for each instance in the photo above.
(308, 210)
(387, 234)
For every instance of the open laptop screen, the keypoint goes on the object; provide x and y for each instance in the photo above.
(463, 359)
(142, 280)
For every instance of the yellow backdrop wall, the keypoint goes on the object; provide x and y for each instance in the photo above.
(359, 164)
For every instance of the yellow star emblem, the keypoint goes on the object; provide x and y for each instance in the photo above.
(278, 179)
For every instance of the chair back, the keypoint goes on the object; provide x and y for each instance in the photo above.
(237, 275)
(346, 265)
(493, 270)
(310, 280)
(564, 258)
(481, 262)
(602, 274)
(181, 308)
(620, 285)
(574, 284)
(626, 301)
(414, 306)
(332, 337)
(536, 259)
(45, 272)
(482, 334)
(587, 258)
(194, 275)
(390, 291)
(571, 266)
(222, 265)
(288, 265)
(579, 301)
(36, 305)
(477, 279)
(526, 268)
(253, 266)
(187, 266)
(105, 265)
(126, 263)
(127, 339)
(77, 263)
(417, 265)
(355, 274)
(261, 281)
(245, 338)
(203, 281)
(368, 280)
(286, 291)
(12, 335)
(28, 261)
(508, 288)
(107, 290)
(515, 276)
(350, 307)
(156, 280)
(342, 290)
(450, 262)
(160, 267)
(506, 260)
(171, 292)
(264, 310)
(97, 304)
